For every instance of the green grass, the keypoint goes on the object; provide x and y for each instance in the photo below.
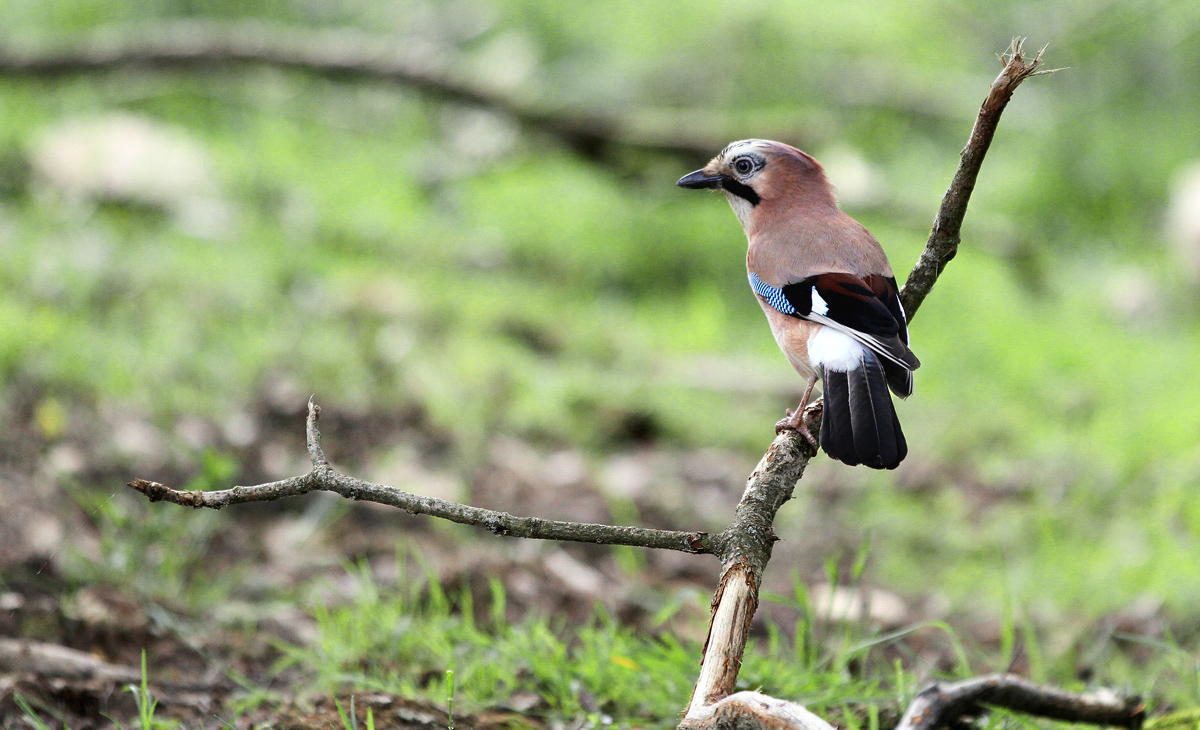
(350, 719)
(156, 555)
(413, 639)
(143, 699)
(409, 637)
(30, 713)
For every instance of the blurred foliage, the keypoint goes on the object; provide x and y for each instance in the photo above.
(382, 249)
(151, 554)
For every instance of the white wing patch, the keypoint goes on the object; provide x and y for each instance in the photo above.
(834, 350)
(871, 343)
(819, 305)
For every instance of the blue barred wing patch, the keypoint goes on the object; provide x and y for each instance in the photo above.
(773, 296)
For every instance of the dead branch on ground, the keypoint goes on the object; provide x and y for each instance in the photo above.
(26, 656)
(937, 705)
(744, 548)
(52, 661)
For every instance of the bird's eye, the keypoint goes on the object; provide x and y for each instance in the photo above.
(743, 166)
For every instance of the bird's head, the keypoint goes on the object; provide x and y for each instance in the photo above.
(757, 173)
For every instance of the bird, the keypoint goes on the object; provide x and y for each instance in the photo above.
(829, 295)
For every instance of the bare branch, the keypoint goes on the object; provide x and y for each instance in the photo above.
(784, 463)
(737, 595)
(748, 543)
(947, 226)
(938, 705)
(324, 478)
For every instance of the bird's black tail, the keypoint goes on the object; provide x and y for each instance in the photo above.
(859, 424)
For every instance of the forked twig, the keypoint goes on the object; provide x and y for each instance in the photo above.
(323, 477)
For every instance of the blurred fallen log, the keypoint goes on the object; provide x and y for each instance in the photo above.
(26, 656)
(52, 661)
(348, 55)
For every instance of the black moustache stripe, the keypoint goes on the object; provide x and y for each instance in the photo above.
(741, 190)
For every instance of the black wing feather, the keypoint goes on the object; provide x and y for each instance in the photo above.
(849, 301)
(871, 417)
(867, 310)
(900, 378)
(885, 290)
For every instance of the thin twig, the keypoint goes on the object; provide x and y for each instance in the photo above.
(947, 226)
(313, 435)
(939, 705)
(324, 478)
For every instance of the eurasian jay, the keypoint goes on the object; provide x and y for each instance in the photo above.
(829, 295)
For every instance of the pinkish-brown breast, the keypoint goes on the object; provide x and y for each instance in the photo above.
(791, 334)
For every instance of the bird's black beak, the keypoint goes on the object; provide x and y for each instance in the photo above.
(700, 179)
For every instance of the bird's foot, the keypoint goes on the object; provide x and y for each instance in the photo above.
(795, 421)
(803, 429)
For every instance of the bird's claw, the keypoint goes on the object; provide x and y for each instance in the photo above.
(794, 420)
(812, 441)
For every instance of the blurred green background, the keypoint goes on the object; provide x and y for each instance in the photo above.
(396, 252)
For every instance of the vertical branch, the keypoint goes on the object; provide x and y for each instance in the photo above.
(947, 225)
(745, 547)
(733, 607)
(313, 436)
